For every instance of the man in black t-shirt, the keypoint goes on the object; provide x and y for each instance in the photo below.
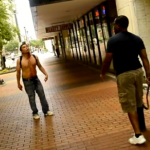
(124, 49)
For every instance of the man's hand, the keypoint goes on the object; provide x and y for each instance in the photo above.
(145, 61)
(20, 87)
(102, 77)
(46, 78)
(148, 80)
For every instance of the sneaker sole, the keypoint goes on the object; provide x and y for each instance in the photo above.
(36, 118)
(138, 143)
(49, 115)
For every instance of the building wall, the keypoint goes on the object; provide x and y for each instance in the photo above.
(138, 12)
(143, 17)
(127, 8)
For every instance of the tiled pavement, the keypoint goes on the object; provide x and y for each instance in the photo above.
(87, 116)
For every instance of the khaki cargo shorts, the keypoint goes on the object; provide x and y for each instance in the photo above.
(130, 90)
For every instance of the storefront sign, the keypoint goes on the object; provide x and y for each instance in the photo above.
(50, 38)
(59, 28)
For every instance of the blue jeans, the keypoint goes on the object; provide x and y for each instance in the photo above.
(34, 85)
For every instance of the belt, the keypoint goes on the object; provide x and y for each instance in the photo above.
(30, 79)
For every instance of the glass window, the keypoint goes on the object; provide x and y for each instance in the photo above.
(104, 23)
(84, 41)
(81, 42)
(73, 44)
(62, 43)
(76, 41)
(100, 34)
(89, 40)
(81, 23)
(95, 40)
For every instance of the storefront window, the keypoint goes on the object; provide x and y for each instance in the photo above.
(84, 41)
(80, 40)
(62, 44)
(89, 39)
(100, 34)
(112, 28)
(76, 41)
(95, 41)
(73, 44)
(67, 42)
(104, 23)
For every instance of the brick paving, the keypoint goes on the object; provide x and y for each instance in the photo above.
(87, 116)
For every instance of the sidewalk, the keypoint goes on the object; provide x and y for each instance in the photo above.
(87, 116)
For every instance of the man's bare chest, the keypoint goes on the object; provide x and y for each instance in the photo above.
(29, 63)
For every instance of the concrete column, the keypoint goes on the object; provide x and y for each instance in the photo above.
(143, 16)
(127, 8)
(138, 12)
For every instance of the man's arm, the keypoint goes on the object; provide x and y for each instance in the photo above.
(108, 58)
(42, 69)
(106, 64)
(145, 61)
(18, 74)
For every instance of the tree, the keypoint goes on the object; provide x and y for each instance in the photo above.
(7, 30)
(37, 43)
(12, 45)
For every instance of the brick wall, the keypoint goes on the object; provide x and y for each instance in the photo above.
(143, 20)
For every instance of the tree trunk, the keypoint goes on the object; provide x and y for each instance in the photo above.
(3, 65)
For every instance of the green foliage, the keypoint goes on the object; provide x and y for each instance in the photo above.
(12, 45)
(37, 43)
(4, 71)
(45, 50)
(7, 30)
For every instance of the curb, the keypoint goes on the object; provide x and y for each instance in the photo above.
(14, 70)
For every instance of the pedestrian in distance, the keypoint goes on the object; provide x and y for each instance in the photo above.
(1, 81)
(13, 56)
(54, 51)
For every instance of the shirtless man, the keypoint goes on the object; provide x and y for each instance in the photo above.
(27, 63)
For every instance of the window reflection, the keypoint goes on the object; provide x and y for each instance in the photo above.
(73, 44)
(80, 42)
(89, 40)
(84, 41)
(100, 33)
(76, 42)
(95, 42)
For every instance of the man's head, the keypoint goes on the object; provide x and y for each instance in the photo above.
(121, 24)
(24, 49)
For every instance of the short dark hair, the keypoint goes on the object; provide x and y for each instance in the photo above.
(122, 21)
(21, 46)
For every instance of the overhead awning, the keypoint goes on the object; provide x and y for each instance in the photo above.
(48, 13)
(45, 2)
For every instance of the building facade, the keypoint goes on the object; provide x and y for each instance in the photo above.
(87, 39)
(138, 12)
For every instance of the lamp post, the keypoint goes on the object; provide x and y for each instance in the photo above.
(25, 33)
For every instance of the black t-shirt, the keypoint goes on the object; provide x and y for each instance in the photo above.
(125, 47)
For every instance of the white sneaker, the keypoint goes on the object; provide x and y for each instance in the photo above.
(36, 116)
(140, 140)
(49, 113)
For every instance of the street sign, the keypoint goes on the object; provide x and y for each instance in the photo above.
(59, 28)
(49, 38)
